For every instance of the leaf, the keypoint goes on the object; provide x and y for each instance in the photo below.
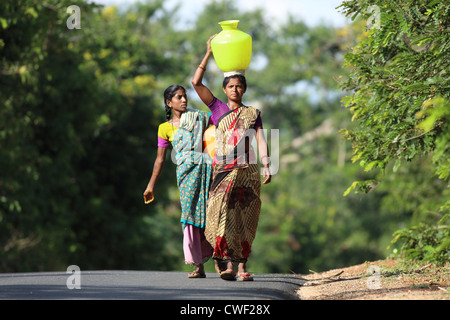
(396, 165)
(351, 188)
(371, 165)
(3, 23)
(31, 12)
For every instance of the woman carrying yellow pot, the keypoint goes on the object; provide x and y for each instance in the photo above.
(234, 201)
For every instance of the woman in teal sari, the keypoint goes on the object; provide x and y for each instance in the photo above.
(184, 130)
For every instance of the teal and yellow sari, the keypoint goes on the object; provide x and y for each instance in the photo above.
(193, 167)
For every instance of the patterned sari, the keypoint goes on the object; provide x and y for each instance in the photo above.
(193, 167)
(234, 203)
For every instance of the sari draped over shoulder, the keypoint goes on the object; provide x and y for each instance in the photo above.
(193, 167)
(234, 201)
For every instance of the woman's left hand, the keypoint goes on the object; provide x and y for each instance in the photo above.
(149, 196)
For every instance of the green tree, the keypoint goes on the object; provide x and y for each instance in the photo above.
(42, 129)
(79, 113)
(400, 102)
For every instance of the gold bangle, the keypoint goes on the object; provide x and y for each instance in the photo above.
(201, 67)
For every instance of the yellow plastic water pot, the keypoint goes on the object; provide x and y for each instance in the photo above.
(232, 48)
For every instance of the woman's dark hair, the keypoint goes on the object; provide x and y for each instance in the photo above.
(240, 77)
(169, 93)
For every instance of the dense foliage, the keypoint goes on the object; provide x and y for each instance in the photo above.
(79, 111)
(401, 103)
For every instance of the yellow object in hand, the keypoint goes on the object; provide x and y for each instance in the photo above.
(149, 197)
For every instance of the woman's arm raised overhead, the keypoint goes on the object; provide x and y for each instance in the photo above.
(197, 80)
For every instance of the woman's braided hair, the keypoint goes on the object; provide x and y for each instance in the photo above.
(169, 93)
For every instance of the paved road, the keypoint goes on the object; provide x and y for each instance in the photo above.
(145, 285)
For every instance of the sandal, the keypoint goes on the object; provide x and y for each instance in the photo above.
(228, 274)
(219, 266)
(196, 275)
(245, 276)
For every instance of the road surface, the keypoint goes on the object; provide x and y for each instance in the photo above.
(143, 285)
